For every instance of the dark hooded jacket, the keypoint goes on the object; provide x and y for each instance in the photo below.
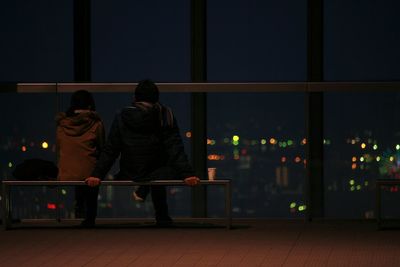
(79, 141)
(147, 139)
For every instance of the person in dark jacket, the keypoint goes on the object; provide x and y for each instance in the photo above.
(80, 137)
(147, 139)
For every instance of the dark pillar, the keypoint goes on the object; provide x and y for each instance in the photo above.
(199, 104)
(315, 113)
(82, 37)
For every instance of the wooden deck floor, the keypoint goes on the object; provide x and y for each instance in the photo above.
(252, 243)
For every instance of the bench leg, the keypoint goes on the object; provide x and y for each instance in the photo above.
(228, 205)
(6, 207)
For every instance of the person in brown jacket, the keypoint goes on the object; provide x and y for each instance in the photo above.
(80, 137)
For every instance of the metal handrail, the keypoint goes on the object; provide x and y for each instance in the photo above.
(248, 87)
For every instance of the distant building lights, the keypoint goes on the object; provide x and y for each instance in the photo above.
(351, 182)
(358, 187)
(293, 205)
(189, 134)
(354, 159)
(23, 148)
(302, 208)
(297, 159)
(51, 206)
(235, 138)
(304, 141)
(208, 141)
(284, 144)
(397, 147)
(391, 158)
(362, 159)
(363, 145)
(352, 188)
(366, 183)
(235, 143)
(375, 147)
(283, 159)
(272, 141)
(378, 158)
(213, 142)
(263, 141)
(354, 166)
(63, 191)
(10, 164)
(45, 145)
(353, 142)
(328, 142)
(290, 142)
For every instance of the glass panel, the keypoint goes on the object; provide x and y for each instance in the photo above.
(117, 201)
(37, 41)
(256, 139)
(257, 40)
(135, 40)
(362, 144)
(361, 40)
(28, 132)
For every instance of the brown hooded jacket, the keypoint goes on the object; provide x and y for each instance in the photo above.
(79, 141)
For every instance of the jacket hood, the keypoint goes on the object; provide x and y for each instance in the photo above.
(141, 119)
(78, 124)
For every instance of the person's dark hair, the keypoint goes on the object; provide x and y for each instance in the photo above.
(81, 99)
(147, 91)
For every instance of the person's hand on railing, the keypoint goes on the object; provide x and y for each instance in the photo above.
(193, 180)
(92, 181)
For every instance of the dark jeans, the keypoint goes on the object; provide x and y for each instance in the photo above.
(86, 202)
(159, 192)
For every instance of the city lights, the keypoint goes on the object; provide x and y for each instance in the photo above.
(273, 141)
(354, 159)
(188, 134)
(235, 138)
(293, 205)
(378, 158)
(302, 208)
(363, 145)
(10, 164)
(263, 141)
(375, 147)
(23, 148)
(45, 145)
(397, 147)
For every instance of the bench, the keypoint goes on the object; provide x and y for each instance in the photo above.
(7, 184)
(380, 183)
